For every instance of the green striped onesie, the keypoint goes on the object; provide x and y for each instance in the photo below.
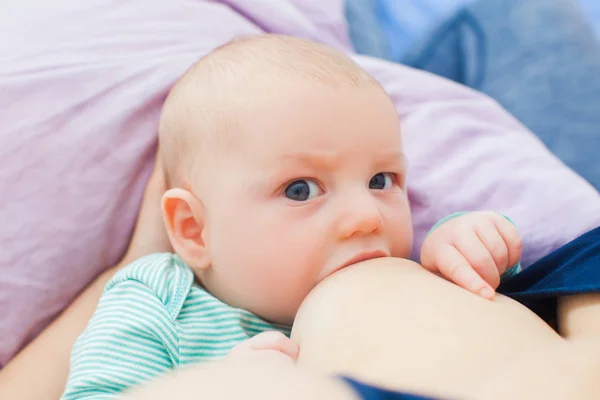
(153, 318)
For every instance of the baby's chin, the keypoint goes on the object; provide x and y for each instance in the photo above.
(278, 319)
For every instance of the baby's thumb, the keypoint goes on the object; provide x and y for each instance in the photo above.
(274, 340)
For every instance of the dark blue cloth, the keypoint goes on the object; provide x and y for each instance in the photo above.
(368, 392)
(572, 269)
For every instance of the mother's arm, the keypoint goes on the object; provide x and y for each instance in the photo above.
(40, 370)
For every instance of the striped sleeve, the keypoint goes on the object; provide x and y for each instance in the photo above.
(130, 339)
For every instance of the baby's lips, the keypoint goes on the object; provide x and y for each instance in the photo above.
(360, 257)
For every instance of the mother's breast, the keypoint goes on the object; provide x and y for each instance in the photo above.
(390, 322)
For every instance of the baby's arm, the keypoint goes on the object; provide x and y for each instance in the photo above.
(474, 250)
(129, 340)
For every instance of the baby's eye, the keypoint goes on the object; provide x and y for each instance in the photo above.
(382, 180)
(302, 190)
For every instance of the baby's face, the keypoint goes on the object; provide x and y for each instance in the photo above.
(315, 181)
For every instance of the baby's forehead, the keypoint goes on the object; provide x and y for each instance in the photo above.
(202, 110)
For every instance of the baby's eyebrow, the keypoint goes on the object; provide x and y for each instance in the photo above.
(320, 159)
(392, 157)
(331, 159)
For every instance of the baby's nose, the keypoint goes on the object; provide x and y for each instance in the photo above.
(361, 216)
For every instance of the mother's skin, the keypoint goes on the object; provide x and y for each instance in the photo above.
(393, 324)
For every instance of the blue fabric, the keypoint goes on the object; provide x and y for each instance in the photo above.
(368, 392)
(571, 269)
(364, 29)
(404, 21)
(387, 28)
(591, 9)
(540, 60)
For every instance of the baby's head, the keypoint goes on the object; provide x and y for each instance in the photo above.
(285, 164)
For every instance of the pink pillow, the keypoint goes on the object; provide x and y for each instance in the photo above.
(81, 86)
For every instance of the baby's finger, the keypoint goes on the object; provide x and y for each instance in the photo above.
(455, 267)
(491, 239)
(274, 340)
(478, 257)
(512, 238)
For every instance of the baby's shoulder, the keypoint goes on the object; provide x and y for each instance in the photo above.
(163, 274)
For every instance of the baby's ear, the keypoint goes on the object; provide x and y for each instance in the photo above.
(183, 214)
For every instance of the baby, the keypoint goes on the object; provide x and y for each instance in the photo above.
(284, 161)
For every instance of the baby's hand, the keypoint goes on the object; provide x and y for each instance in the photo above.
(267, 342)
(473, 250)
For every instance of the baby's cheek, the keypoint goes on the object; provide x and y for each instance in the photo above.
(274, 259)
(280, 299)
(289, 276)
(400, 236)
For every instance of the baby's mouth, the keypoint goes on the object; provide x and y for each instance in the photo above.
(360, 257)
